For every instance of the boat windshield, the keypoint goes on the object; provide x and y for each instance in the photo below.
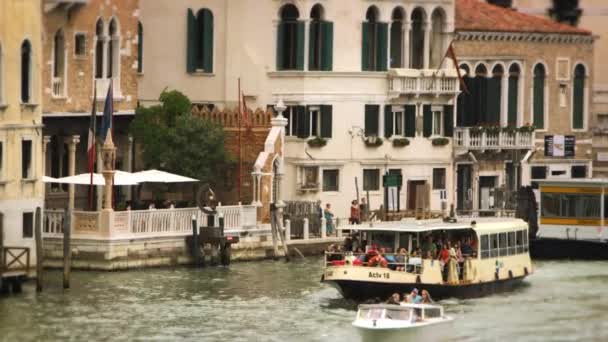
(396, 313)
(371, 313)
(432, 312)
(402, 315)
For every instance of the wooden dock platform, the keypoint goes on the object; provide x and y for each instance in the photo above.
(14, 268)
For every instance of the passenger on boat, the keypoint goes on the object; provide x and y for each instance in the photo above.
(390, 259)
(444, 255)
(376, 259)
(329, 217)
(348, 244)
(466, 248)
(426, 297)
(355, 243)
(406, 299)
(415, 298)
(332, 253)
(354, 213)
(394, 299)
(400, 259)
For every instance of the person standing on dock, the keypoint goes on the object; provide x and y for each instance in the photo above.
(329, 216)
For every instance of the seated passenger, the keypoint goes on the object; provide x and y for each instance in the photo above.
(394, 299)
(377, 260)
(400, 259)
(426, 297)
(406, 299)
(415, 298)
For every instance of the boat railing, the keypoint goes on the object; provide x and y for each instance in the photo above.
(410, 264)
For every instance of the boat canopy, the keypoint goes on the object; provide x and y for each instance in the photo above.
(480, 225)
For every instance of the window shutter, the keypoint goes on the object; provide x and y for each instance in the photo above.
(577, 104)
(191, 43)
(512, 101)
(326, 121)
(365, 29)
(207, 41)
(303, 122)
(280, 47)
(468, 114)
(448, 120)
(388, 121)
(371, 120)
(427, 123)
(382, 48)
(482, 104)
(539, 101)
(410, 120)
(300, 37)
(327, 38)
(493, 100)
(312, 33)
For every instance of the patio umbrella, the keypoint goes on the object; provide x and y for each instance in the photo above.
(120, 178)
(47, 179)
(157, 176)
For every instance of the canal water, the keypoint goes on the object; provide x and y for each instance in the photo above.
(277, 301)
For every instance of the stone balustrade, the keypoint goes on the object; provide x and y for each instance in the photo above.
(422, 82)
(468, 138)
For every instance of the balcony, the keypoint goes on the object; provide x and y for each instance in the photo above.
(422, 82)
(475, 139)
(58, 87)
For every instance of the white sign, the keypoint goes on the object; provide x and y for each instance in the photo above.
(559, 146)
(602, 156)
(393, 194)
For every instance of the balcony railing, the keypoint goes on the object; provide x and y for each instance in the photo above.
(422, 82)
(464, 137)
(58, 87)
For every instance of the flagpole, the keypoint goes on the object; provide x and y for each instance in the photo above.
(92, 156)
(240, 164)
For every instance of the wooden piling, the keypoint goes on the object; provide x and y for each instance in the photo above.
(39, 252)
(67, 250)
(196, 249)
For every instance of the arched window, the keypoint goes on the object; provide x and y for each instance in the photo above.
(494, 96)
(437, 31)
(26, 72)
(538, 96)
(99, 41)
(578, 98)
(417, 39)
(320, 50)
(513, 95)
(374, 42)
(58, 64)
(200, 41)
(113, 50)
(397, 38)
(463, 105)
(140, 47)
(290, 39)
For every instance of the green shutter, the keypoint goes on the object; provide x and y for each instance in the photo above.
(140, 48)
(382, 48)
(482, 99)
(410, 120)
(396, 43)
(300, 37)
(427, 123)
(448, 120)
(207, 41)
(191, 43)
(326, 121)
(303, 122)
(365, 46)
(327, 52)
(280, 47)
(512, 101)
(539, 102)
(388, 121)
(578, 102)
(371, 120)
(312, 46)
(492, 111)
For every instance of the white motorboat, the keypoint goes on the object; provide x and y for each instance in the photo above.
(405, 322)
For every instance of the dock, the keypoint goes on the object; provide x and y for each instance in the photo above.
(14, 268)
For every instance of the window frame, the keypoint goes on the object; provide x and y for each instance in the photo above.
(441, 133)
(545, 95)
(584, 109)
(31, 167)
(443, 181)
(400, 112)
(377, 181)
(337, 175)
(2, 158)
(24, 219)
(75, 53)
(30, 75)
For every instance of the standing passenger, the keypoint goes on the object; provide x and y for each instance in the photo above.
(329, 219)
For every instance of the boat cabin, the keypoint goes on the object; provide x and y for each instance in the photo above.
(409, 312)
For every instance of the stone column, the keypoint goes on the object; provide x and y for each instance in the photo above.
(108, 155)
(45, 141)
(130, 166)
(72, 142)
(426, 27)
(281, 122)
(406, 44)
(504, 98)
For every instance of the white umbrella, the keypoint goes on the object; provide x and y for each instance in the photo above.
(120, 178)
(157, 176)
(47, 179)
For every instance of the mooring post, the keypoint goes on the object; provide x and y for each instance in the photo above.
(67, 250)
(195, 242)
(39, 256)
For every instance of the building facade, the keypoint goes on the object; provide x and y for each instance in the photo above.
(365, 84)
(21, 162)
(87, 45)
(521, 71)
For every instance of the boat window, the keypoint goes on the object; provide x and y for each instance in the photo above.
(432, 313)
(502, 243)
(525, 241)
(493, 245)
(371, 313)
(520, 241)
(398, 314)
(385, 239)
(511, 242)
(570, 205)
(485, 247)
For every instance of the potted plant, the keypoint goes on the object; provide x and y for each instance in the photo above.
(317, 142)
(492, 129)
(440, 141)
(373, 141)
(401, 142)
(509, 129)
(527, 128)
(475, 130)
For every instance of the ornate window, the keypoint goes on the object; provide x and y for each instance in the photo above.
(578, 98)
(200, 41)
(320, 50)
(374, 42)
(99, 48)
(437, 32)
(290, 39)
(140, 48)
(538, 96)
(26, 72)
(397, 38)
(417, 39)
(58, 81)
(513, 95)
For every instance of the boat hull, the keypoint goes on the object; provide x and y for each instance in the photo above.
(364, 290)
(434, 332)
(553, 248)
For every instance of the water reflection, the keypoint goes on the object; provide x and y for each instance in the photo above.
(277, 301)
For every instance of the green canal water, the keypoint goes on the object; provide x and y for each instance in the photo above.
(275, 301)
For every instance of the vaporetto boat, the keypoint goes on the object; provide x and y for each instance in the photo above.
(498, 259)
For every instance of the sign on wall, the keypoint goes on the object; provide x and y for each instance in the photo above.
(559, 145)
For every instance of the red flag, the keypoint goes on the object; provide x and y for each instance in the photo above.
(450, 53)
(91, 152)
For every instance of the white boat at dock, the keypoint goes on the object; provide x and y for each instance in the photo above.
(405, 322)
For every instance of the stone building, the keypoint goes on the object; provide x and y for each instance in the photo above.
(363, 81)
(87, 44)
(21, 162)
(520, 70)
